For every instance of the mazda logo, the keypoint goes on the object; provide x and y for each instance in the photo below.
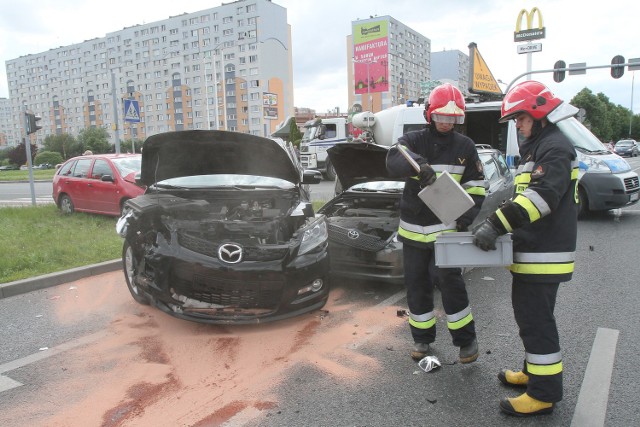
(353, 234)
(230, 253)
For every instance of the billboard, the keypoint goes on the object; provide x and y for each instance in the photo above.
(370, 56)
(270, 105)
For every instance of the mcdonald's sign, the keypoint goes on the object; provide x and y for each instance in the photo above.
(531, 32)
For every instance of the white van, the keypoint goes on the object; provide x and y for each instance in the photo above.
(606, 180)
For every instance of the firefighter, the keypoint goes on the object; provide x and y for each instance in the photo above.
(543, 219)
(436, 149)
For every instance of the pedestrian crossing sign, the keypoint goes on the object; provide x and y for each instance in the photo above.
(131, 111)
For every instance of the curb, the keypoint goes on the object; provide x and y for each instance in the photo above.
(53, 279)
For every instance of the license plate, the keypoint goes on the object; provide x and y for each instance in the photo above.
(633, 197)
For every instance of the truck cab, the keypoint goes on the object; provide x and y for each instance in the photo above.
(320, 135)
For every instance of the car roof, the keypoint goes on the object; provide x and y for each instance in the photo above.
(106, 155)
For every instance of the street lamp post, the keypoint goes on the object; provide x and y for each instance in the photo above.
(633, 77)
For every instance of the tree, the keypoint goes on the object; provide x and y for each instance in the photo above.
(295, 136)
(126, 145)
(94, 139)
(18, 156)
(65, 144)
(607, 121)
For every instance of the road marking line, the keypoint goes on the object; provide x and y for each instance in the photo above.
(7, 383)
(591, 407)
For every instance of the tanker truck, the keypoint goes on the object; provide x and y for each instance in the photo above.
(386, 126)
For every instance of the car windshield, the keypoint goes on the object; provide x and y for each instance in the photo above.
(226, 181)
(310, 133)
(126, 165)
(581, 138)
(384, 186)
(623, 144)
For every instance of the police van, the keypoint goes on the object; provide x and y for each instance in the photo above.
(605, 180)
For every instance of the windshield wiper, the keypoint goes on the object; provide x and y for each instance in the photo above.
(586, 150)
(173, 187)
(363, 189)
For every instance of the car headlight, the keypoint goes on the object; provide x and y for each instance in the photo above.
(593, 165)
(123, 224)
(313, 235)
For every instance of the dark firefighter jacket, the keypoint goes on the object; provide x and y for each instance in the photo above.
(543, 213)
(452, 152)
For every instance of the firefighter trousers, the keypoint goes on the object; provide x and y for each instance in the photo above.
(421, 276)
(533, 306)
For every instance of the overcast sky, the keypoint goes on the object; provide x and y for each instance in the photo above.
(575, 33)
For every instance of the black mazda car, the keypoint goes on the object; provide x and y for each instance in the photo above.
(225, 232)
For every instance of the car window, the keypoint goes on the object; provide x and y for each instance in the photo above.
(101, 168)
(65, 170)
(491, 173)
(81, 169)
(502, 164)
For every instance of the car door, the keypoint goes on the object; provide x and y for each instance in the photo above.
(103, 196)
(75, 183)
(499, 183)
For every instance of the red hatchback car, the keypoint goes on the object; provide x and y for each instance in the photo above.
(97, 183)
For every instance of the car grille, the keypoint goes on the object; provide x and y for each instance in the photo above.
(365, 242)
(346, 255)
(231, 292)
(210, 249)
(304, 148)
(631, 183)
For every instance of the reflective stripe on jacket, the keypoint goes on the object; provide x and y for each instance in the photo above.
(543, 213)
(454, 153)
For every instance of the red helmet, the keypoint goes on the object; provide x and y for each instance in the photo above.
(446, 105)
(529, 97)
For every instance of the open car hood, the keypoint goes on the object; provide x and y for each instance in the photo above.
(206, 152)
(359, 162)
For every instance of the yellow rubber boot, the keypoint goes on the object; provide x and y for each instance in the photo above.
(513, 378)
(525, 406)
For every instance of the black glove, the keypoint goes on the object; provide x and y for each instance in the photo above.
(427, 175)
(462, 225)
(485, 236)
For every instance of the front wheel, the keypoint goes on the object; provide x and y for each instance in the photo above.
(130, 266)
(66, 205)
(583, 203)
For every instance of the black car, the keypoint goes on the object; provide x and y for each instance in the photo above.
(225, 232)
(363, 219)
(626, 147)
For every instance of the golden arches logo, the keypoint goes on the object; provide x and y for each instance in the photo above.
(529, 17)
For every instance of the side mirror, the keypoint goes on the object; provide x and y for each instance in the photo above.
(310, 176)
(107, 178)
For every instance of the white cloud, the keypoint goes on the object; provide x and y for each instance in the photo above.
(575, 32)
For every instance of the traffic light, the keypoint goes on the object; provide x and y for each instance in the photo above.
(558, 75)
(617, 70)
(32, 123)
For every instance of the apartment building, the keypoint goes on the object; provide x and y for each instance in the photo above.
(451, 66)
(226, 68)
(389, 63)
(6, 121)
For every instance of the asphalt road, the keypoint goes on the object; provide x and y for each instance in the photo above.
(349, 363)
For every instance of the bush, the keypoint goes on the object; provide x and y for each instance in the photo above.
(50, 157)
